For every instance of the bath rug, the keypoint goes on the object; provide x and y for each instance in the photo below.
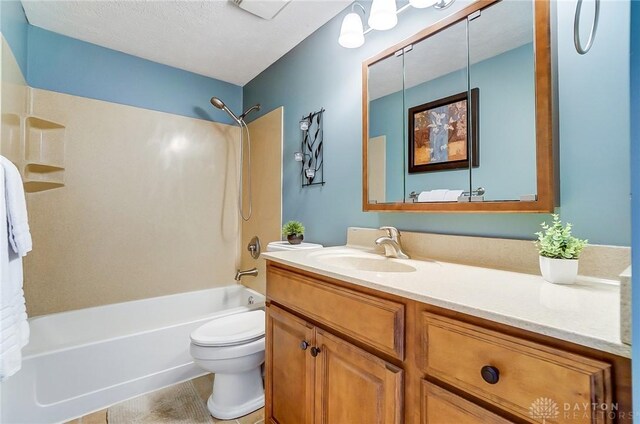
(175, 404)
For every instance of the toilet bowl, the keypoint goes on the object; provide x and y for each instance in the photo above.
(232, 348)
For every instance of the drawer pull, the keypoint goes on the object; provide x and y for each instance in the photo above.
(490, 374)
(315, 351)
(304, 345)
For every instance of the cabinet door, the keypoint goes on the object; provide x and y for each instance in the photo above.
(353, 386)
(440, 406)
(289, 369)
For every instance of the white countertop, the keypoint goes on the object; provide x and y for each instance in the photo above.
(586, 313)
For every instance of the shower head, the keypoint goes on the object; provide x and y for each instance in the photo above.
(220, 105)
(248, 111)
(217, 103)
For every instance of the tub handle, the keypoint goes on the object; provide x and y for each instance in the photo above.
(304, 345)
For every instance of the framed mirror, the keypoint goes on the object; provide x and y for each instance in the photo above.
(458, 118)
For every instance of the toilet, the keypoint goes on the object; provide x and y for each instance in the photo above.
(232, 347)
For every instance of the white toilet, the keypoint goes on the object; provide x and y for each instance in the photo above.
(232, 347)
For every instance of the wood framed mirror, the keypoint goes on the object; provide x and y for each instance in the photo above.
(458, 118)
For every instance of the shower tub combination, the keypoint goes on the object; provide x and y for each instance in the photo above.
(82, 361)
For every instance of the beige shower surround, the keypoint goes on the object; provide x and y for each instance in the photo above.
(266, 177)
(148, 207)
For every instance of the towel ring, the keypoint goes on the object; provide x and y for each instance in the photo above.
(576, 28)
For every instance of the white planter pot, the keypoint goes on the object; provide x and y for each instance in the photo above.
(559, 271)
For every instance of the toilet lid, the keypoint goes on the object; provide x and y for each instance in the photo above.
(230, 330)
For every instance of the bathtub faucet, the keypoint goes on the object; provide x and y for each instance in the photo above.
(252, 272)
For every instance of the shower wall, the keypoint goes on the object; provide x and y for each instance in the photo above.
(266, 177)
(148, 206)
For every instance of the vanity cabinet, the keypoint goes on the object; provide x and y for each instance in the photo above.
(314, 376)
(339, 353)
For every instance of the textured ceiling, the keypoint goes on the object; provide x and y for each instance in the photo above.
(213, 38)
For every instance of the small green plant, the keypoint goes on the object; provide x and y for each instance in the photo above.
(556, 241)
(293, 228)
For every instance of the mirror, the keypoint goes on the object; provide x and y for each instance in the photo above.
(503, 69)
(386, 131)
(436, 94)
(458, 117)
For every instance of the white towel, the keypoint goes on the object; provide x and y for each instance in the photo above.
(19, 235)
(14, 327)
(452, 195)
(440, 195)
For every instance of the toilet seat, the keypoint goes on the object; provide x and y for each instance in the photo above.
(231, 330)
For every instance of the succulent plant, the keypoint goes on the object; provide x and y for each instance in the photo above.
(556, 241)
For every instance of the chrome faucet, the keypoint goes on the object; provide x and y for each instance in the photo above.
(252, 272)
(391, 243)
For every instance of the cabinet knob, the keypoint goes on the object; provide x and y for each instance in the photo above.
(315, 351)
(304, 345)
(490, 374)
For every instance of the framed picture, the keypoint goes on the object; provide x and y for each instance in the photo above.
(438, 134)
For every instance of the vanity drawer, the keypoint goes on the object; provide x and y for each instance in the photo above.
(513, 373)
(371, 320)
(440, 406)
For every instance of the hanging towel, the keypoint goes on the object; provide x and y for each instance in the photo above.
(19, 235)
(14, 327)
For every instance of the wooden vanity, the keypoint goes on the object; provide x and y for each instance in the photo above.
(338, 353)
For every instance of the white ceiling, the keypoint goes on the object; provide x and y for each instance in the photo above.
(500, 28)
(213, 38)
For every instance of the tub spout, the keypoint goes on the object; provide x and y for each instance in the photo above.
(252, 272)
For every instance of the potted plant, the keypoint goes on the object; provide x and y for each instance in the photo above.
(294, 231)
(559, 252)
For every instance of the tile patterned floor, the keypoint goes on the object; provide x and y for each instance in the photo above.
(203, 386)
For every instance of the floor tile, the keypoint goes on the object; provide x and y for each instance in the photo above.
(99, 417)
(204, 386)
(253, 417)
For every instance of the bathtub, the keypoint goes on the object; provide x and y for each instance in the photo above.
(82, 361)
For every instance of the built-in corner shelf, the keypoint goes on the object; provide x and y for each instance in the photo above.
(44, 155)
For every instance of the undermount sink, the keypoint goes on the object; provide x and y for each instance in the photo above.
(372, 263)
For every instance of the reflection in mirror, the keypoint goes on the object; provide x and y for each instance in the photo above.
(503, 69)
(385, 158)
(436, 105)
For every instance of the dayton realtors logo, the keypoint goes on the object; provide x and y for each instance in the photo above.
(548, 409)
(544, 409)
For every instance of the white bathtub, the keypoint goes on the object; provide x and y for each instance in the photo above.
(81, 361)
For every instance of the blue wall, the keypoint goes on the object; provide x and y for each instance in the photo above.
(58, 63)
(71, 66)
(594, 138)
(14, 27)
(635, 189)
(507, 141)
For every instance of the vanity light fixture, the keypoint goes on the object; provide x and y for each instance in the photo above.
(351, 31)
(383, 16)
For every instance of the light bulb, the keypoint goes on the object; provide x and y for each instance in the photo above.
(351, 32)
(383, 15)
(304, 124)
(298, 156)
(421, 4)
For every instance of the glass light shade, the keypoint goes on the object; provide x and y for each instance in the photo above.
(310, 173)
(298, 156)
(383, 15)
(351, 32)
(421, 4)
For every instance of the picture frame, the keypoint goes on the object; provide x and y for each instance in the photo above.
(438, 136)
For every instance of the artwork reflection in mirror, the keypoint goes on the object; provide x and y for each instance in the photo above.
(438, 134)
